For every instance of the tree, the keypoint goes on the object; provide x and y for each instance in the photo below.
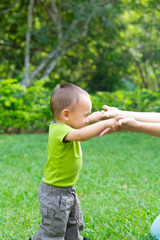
(95, 44)
(71, 21)
(141, 41)
(28, 39)
(7, 8)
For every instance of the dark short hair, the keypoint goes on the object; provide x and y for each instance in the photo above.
(65, 95)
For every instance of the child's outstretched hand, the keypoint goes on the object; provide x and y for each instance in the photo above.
(111, 112)
(114, 125)
(96, 116)
(123, 124)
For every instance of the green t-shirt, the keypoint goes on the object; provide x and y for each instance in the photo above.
(64, 159)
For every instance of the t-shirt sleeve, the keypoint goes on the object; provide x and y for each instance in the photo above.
(62, 131)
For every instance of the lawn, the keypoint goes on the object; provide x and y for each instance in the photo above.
(118, 185)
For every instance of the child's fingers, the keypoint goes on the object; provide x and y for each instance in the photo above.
(119, 118)
(125, 120)
(103, 114)
(106, 115)
(102, 111)
(121, 121)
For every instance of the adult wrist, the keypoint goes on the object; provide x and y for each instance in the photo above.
(119, 113)
(137, 126)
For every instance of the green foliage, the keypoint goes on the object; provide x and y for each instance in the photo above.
(24, 110)
(136, 100)
(122, 42)
(54, 24)
(28, 110)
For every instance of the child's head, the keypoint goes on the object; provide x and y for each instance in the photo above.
(69, 104)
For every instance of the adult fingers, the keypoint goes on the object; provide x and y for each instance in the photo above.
(105, 132)
(105, 107)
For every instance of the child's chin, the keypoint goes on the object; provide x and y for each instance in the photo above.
(79, 126)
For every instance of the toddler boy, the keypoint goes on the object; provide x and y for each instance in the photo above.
(59, 203)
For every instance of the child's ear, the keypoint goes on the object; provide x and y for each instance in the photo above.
(65, 114)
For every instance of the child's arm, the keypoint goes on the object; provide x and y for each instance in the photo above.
(92, 130)
(96, 116)
(139, 116)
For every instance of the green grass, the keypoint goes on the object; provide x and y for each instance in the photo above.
(118, 185)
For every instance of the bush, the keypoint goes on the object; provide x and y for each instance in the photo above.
(137, 100)
(24, 110)
(27, 110)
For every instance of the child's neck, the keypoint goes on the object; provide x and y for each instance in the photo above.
(61, 121)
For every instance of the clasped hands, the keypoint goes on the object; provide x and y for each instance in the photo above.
(118, 121)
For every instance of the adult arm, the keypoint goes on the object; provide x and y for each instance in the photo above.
(130, 124)
(139, 116)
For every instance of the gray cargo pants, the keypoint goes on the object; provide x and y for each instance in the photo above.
(61, 214)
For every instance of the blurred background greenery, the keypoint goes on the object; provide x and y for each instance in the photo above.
(110, 48)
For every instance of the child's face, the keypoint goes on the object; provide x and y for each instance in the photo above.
(78, 117)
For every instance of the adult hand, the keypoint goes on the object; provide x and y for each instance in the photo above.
(127, 124)
(117, 123)
(111, 112)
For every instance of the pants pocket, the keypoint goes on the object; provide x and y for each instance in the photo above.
(53, 206)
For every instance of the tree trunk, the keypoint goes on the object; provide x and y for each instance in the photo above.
(142, 74)
(44, 63)
(157, 78)
(26, 79)
(9, 9)
(53, 63)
